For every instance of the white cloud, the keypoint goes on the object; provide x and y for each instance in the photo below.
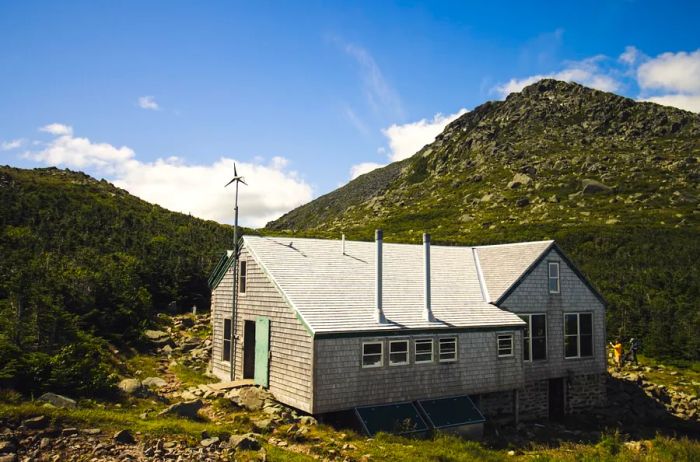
(12, 144)
(677, 72)
(80, 152)
(687, 102)
(148, 102)
(586, 72)
(362, 168)
(57, 129)
(188, 188)
(381, 96)
(630, 56)
(407, 139)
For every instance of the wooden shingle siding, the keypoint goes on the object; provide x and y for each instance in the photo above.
(291, 345)
(341, 382)
(532, 296)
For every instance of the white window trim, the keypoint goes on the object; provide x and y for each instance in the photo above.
(408, 353)
(549, 276)
(578, 336)
(432, 350)
(381, 354)
(529, 339)
(512, 344)
(451, 360)
(244, 279)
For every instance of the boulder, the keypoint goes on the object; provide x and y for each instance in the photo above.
(58, 400)
(522, 202)
(244, 442)
(595, 187)
(206, 442)
(308, 420)
(124, 437)
(36, 423)
(156, 335)
(186, 409)
(253, 398)
(8, 458)
(520, 179)
(131, 386)
(154, 382)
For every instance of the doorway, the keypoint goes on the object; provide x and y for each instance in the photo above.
(557, 397)
(249, 350)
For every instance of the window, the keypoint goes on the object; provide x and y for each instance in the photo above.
(505, 345)
(242, 276)
(226, 354)
(534, 337)
(423, 351)
(553, 278)
(372, 354)
(398, 352)
(578, 335)
(448, 349)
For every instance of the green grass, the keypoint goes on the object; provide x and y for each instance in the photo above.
(147, 364)
(190, 377)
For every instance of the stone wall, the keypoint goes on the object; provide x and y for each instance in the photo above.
(496, 405)
(584, 392)
(533, 400)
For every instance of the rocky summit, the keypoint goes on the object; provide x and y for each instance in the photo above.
(545, 141)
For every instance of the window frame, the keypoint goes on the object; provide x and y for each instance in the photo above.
(529, 338)
(242, 276)
(578, 335)
(456, 349)
(423, 341)
(381, 354)
(511, 337)
(550, 265)
(226, 342)
(407, 352)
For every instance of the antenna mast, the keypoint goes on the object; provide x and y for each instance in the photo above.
(232, 353)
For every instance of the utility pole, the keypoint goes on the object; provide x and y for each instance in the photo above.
(236, 179)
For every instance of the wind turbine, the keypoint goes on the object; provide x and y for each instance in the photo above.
(236, 179)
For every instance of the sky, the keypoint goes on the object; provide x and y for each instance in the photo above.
(162, 97)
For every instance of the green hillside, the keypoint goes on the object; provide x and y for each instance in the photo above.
(616, 182)
(83, 262)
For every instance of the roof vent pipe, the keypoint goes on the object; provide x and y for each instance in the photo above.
(342, 239)
(427, 309)
(378, 312)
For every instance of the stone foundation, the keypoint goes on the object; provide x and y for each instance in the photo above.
(584, 392)
(533, 400)
(496, 405)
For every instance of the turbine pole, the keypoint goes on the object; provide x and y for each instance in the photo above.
(232, 352)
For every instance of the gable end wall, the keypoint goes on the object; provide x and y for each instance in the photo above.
(291, 345)
(532, 296)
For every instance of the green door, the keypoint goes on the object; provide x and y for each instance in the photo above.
(262, 351)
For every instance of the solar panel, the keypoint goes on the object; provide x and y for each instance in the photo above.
(397, 418)
(451, 412)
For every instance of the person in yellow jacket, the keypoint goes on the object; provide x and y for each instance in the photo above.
(617, 352)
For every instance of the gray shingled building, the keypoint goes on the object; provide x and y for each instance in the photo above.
(330, 325)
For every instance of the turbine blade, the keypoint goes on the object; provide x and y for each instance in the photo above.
(241, 180)
(230, 182)
(234, 170)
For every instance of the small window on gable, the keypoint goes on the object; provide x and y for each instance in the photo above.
(226, 353)
(423, 351)
(243, 276)
(398, 352)
(448, 349)
(553, 277)
(505, 345)
(372, 353)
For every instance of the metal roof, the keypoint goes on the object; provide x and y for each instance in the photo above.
(333, 292)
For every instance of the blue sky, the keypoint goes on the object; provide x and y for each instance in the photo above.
(161, 97)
